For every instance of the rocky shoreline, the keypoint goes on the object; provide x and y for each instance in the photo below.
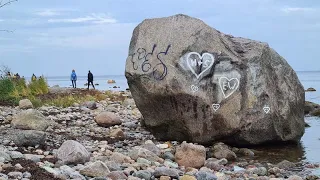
(105, 140)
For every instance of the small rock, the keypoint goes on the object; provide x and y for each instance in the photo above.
(201, 175)
(5, 156)
(120, 158)
(188, 177)
(306, 125)
(311, 89)
(129, 103)
(163, 146)
(72, 152)
(295, 177)
(164, 171)
(96, 169)
(117, 175)
(15, 175)
(213, 164)
(310, 106)
(15, 154)
(113, 166)
(25, 104)
(170, 164)
(134, 178)
(106, 119)
(130, 125)
(143, 174)
(90, 105)
(32, 157)
(137, 152)
(260, 171)
(29, 138)
(315, 112)
(285, 164)
(144, 161)
(165, 178)
(221, 150)
(117, 133)
(3, 177)
(68, 171)
(153, 148)
(274, 170)
(18, 166)
(27, 175)
(51, 170)
(168, 155)
(111, 81)
(246, 152)
(221, 176)
(190, 155)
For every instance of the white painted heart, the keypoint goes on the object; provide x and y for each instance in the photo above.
(194, 88)
(266, 109)
(232, 90)
(215, 107)
(207, 63)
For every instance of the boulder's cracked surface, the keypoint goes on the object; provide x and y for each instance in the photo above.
(194, 83)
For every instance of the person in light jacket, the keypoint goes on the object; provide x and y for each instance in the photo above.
(74, 79)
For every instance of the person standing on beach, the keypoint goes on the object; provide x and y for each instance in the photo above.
(74, 79)
(90, 80)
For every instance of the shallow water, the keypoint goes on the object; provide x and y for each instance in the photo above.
(311, 140)
(308, 149)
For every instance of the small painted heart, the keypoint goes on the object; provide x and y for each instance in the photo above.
(194, 88)
(198, 64)
(228, 86)
(215, 107)
(266, 109)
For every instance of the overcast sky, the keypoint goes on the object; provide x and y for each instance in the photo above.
(54, 37)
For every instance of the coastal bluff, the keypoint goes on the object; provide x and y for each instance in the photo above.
(192, 82)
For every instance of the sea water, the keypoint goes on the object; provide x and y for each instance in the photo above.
(64, 81)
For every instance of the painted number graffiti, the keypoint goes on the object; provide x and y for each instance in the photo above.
(159, 71)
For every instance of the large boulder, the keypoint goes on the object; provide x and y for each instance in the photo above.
(30, 120)
(194, 83)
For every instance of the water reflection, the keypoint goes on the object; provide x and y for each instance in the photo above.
(311, 140)
(307, 150)
(277, 153)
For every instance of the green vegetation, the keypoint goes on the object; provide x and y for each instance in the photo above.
(13, 90)
(69, 100)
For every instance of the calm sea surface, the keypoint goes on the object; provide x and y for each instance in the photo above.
(310, 142)
(64, 81)
(307, 151)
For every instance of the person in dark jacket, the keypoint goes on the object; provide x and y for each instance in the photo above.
(90, 79)
(74, 79)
